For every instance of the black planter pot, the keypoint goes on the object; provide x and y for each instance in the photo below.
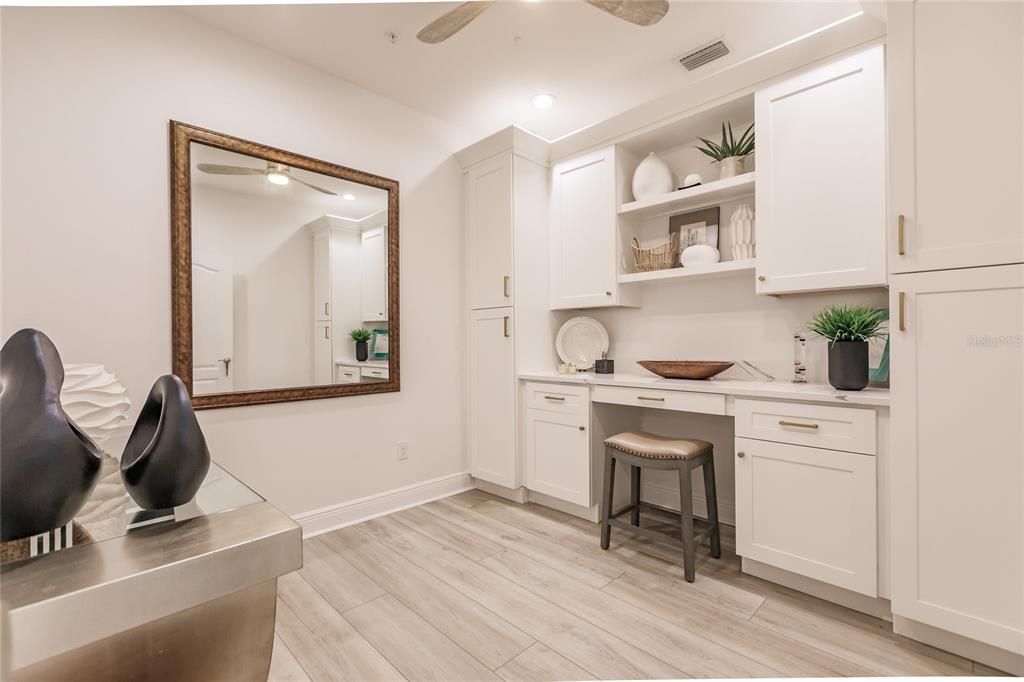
(848, 365)
(165, 459)
(49, 466)
(362, 351)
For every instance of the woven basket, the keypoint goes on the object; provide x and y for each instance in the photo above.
(657, 258)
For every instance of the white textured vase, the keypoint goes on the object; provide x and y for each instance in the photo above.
(731, 166)
(96, 401)
(741, 229)
(652, 178)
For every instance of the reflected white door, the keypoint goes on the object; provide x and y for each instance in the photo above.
(212, 331)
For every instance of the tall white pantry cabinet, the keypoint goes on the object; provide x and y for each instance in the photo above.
(509, 325)
(956, 258)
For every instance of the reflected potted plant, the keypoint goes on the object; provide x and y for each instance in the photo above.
(361, 337)
(730, 152)
(848, 329)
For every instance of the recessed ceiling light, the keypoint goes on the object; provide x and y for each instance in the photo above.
(348, 197)
(278, 178)
(543, 100)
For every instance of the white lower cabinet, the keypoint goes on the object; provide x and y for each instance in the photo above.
(809, 511)
(958, 452)
(557, 448)
(492, 397)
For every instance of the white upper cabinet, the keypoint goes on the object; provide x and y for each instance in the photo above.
(957, 443)
(489, 233)
(375, 275)
(820, 188)
(322, 275)
(585, 244)
(956, 93)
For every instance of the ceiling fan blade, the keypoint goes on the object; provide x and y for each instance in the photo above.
(221, 169)
(639, 12)
(318, 189)
(450, 23)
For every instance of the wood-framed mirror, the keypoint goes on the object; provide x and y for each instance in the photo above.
(276, 260)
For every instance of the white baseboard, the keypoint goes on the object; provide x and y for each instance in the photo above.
(348, 513)
(878, 607)
(987, 655)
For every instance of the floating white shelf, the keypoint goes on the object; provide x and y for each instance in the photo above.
(692, 198)
(729, 267)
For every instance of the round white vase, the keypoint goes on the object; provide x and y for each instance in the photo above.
(652, 178)
(96, 401)
(731, 166)
(699, 254)
(741, 229)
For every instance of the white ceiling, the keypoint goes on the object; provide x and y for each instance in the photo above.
(367, 202)
(482, 79)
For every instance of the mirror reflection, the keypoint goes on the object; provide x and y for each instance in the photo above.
(289, 276)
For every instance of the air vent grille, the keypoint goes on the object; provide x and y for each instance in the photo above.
(700, 57)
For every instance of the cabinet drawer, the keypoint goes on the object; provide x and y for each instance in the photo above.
(851, 429)
(684, 401)
(374, 372)
(558, 398)
(808, 511)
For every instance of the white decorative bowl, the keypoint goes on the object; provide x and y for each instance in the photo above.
(699, 254)
(652, 178)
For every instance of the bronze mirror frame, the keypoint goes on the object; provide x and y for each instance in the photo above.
(182, 135)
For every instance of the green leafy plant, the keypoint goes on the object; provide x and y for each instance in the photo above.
(850, 323)
(360, 335)
(729, 146)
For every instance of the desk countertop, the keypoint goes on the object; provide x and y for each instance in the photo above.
(779, 390)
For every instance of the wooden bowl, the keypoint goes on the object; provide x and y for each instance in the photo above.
(685, 369)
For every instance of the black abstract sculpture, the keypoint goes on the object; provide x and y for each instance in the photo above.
(165, 459)
(49, 466)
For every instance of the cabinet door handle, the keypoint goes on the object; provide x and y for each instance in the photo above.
(798, 425)
(607, 293)
(902, 305)
(554, 397)
(741, 455)
(505, 286)
(583, 428)
(505, 323)
(325, 308)
(653, 400)
(901, 246)
(761, 278)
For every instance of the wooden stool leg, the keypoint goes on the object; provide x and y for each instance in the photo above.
(686, 523)
(609, 493)
(711, 495)
(634, 475)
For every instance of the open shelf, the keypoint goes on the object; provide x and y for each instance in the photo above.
(729, 267)
(692, 198)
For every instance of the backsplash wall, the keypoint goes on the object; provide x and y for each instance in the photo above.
(721, 319)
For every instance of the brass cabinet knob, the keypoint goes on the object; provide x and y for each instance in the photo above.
(583, 428)
(760, 278)
(607, 293)
(741, 455)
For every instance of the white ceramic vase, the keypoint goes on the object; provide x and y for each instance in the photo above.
(731, 166)
(652, 178)
(699, 254)
(96, 401)
(741, 229)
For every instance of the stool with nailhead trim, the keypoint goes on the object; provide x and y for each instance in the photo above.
(641, 450)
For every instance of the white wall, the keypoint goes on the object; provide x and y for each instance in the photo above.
(87, 95)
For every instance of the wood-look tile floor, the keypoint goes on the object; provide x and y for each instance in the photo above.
(477, 588)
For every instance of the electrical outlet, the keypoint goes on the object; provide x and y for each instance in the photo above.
(403, 449)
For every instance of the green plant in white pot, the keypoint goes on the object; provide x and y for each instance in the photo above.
(848, 329)
(730, 152)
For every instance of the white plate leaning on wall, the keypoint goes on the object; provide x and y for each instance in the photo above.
(581, 341)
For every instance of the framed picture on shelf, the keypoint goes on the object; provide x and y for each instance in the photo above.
(696, 227)
(379, 345)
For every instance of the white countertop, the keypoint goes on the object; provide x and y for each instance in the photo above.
(779, 390)
(376, 364)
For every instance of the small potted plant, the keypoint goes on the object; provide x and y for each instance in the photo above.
(730, 152)
(361, 336)
(848, 329)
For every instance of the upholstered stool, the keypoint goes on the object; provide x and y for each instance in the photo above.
(640, 450)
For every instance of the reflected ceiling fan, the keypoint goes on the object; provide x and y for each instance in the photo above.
(639, 12)
(277, 173)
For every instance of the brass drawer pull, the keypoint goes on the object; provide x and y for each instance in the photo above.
(901, 246)
(653, 400)
(554, 397)
(902, 299)
(505, 325)
(798, 425)
(505, 286)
